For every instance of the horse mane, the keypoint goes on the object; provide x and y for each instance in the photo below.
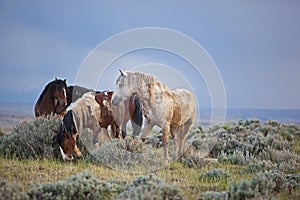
(75, 92)
(138, 78)
(48, 89)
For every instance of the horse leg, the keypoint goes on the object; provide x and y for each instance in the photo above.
(173, 131)
(165, 141)
(106, 133)
(136, 128)
(115, 130)
(186, 128)
(124, 131)
(147, 128)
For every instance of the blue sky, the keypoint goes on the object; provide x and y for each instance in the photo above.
(255, 44)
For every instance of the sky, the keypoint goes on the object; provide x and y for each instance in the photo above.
(255, 46)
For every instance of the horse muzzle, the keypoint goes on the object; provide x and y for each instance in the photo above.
(115, 101)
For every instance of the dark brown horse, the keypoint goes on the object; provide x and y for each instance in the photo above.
(53, 99)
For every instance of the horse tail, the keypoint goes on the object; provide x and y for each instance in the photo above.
(137, 117)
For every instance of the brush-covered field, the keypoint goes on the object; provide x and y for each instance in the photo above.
(239, 160)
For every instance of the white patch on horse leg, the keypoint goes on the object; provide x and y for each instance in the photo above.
(64, 156)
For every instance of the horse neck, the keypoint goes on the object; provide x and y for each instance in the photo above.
(81, 113)
(46, 97)
(76, 118)
(148, 87)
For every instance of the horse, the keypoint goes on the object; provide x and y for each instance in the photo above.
(108, 114)
(132, 110)
(116, 116)
(53, 99)
(172, 110)
(92, 110)
(84, 113)
(75, 92)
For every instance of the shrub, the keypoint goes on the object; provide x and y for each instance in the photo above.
(257, 187)
(259, 166)
(149, 187)
(32, 139)
(79, 186)
(128, 155)
(214, 196)
(10, 190)
(214, 174)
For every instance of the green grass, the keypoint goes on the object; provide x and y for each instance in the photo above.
(34, 171)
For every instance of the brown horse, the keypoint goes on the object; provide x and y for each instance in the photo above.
(53, 99)
(107, 114)
(118, 116)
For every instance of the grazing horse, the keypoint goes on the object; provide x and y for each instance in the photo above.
(172, 110)
(116, 116)
(84, 113)
(53, 99)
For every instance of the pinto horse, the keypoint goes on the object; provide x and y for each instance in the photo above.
(92, 110)
(172, 110)
(84, 113)
(75, 92)
(53, 99)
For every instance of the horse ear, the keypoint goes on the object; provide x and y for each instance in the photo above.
(123, 72)
(65, 80)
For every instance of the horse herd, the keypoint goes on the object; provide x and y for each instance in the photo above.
(136, 95)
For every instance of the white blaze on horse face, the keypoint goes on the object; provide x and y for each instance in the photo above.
(65, 96)
(64, 156)
(65, 92)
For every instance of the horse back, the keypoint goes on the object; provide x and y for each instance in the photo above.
(87, 111)
(184, 106)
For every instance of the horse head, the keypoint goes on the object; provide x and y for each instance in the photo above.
(60, 95)
(66, 136)
(123, 89)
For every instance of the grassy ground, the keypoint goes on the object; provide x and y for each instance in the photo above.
(245, 151)
(26, 173)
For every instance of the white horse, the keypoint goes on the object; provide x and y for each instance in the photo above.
(172, 110)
